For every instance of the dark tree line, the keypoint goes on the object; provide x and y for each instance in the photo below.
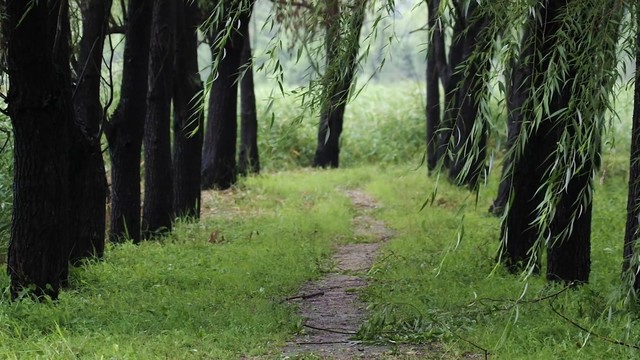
(62, 191)
(58, 120)
(556, 96)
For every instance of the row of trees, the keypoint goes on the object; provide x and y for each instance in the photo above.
(557, 62)
(59, 116)
(58, 120)
(556, 92)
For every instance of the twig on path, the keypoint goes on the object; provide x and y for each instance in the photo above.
(326, 342)
(330, 330)
(304, 296)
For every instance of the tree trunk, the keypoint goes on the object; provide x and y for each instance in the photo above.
(249, 159)
(520, 235)
(451, 76)
(125, 131)
(88, 181)
(188, 116)
(552, 180)
(157, 211)
(515, 101)
(470, 140)
(41, 112)
(433, 87)
(631, 264)
(569, 254)
(342, 58)
(219, 153)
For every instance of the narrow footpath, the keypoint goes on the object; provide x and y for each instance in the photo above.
(331, 306)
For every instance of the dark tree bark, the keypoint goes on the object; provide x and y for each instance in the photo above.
(157, 211)
(41, 113)
(342, 57)
(632, 231)
(88, 181)
(520, 233)
(219, 153)
(569, 255)
(515, 100)
(433, 86)
(249, 159)
(125, 131)
(188, 116)
(451, 76)
(469, 148)
(567, 236)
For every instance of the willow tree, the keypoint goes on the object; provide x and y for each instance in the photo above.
(89, 183)
(343, 25)
(157, 212)
(557, 149)
(125, 130)
(225, 27)
(188, 117)
(631, 254)
(435, 75)
(249, 157)
(456, 140)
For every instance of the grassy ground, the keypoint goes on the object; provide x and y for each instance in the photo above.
(210, 290)
(213, 289)
(438, 281)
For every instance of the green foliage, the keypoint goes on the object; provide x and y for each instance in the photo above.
(383, 124)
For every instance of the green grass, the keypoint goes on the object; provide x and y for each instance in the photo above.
(434, 285)
(188, 297)
(383, 124)
(198, 295)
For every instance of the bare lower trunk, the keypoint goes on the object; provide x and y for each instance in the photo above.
(157, 212)
(219, 153)
(249, 158)
(188, 116)
(41, 113)
(342, 57)
(89, 184)
(125, 130)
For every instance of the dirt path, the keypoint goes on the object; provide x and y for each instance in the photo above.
(330, 306)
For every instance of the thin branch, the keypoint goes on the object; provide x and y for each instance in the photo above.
(591, 333)
(294, 3)
(325, 342)
(116, 29)
(104, 123)
(304, 296)
(343, 332)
